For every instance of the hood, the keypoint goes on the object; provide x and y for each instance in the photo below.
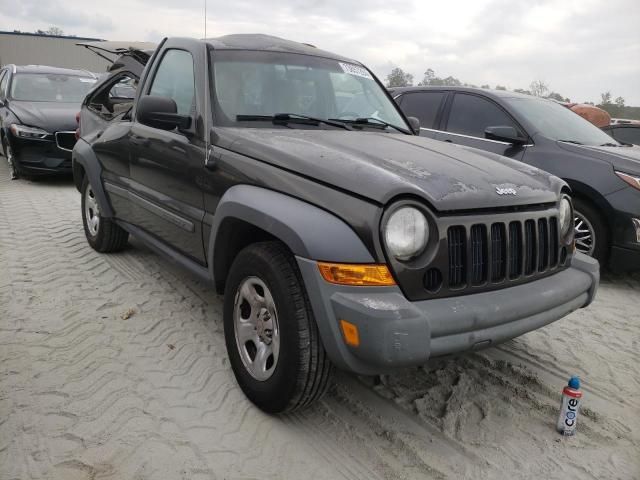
(381, 166)
(624, 159)
(50, 116)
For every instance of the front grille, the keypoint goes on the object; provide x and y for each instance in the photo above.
(65, 140)
(457, 256)
(478, 254)
(492, 253)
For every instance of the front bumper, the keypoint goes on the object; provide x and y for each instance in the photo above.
(395, 332)
(625, 230)
(43, 157)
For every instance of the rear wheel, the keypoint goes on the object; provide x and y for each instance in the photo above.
(591, 232)
(272, 339)
(103, 234)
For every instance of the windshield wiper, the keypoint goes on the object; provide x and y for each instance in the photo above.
(376, 122)
(284, 118)
(575, 142)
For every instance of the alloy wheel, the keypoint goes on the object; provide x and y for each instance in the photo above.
(584, 234)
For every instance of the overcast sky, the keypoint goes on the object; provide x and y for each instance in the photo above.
(580, 48)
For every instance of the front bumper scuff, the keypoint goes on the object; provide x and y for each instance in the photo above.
(395, 332)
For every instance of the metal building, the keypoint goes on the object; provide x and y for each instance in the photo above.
(37, 49)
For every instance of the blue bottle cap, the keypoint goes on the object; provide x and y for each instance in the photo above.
(574, 382)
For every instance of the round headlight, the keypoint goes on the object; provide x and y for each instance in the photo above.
(406, 233)
(566, 222)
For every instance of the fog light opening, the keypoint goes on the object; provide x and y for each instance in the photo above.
(433, 280)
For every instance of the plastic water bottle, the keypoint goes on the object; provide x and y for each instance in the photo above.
(568, 418)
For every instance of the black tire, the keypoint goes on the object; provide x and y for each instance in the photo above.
(108, 236)
(14, 164)
(302, 372)
(598, 226)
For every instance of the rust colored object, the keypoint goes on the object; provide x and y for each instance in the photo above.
(595, 115)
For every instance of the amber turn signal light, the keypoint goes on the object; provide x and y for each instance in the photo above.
(356, 274)
(350, 333)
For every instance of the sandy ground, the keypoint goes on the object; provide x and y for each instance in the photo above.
(114, 367)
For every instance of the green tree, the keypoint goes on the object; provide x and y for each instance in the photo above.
(619, 101)
(430, 78)
(538, 88)
(58, 32)
(398, 78)
(605, 98)
(520, 90)
(500, 87)
(485, 86)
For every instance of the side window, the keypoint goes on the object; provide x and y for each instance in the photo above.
(116, 98)
(423, 105)
(471, 115)
(627, 135)
(4, 78)
(175, 79)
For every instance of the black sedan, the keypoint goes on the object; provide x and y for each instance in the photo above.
(603, 173)
(38, 108)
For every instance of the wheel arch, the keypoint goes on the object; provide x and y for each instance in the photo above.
(590, 195)
(84, 162)
(248, 214)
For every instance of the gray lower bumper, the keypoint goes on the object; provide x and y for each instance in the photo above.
(395, 332)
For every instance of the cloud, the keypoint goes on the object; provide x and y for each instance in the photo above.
(57, 13)
(579, 47)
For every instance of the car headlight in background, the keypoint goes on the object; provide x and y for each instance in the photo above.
(406, 233)
(22, 131)
(630, 179)
(565, 218)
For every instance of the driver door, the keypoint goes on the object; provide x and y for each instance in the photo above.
(166, 165)
(467, 118)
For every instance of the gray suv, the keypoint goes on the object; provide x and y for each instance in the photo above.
(292, 183)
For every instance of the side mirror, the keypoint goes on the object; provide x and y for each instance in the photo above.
(161, 112)
(414, 123)
(504, 134)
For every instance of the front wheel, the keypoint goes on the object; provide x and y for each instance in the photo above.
(13, 162)
(271, 336)
(591, 232)
(102, 233)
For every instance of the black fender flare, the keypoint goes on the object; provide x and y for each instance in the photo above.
(307, 230)
(83, 155)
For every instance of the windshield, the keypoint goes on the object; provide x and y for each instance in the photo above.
(253, 83)
(41, 87)
(557, 122)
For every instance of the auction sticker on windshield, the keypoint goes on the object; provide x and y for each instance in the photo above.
(355, 70)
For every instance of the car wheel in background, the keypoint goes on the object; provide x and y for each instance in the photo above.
(591, 232)
(11, 159)
(103, 234)
(272, 339)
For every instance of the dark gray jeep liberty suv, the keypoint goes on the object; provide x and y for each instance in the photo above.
(287, 177)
